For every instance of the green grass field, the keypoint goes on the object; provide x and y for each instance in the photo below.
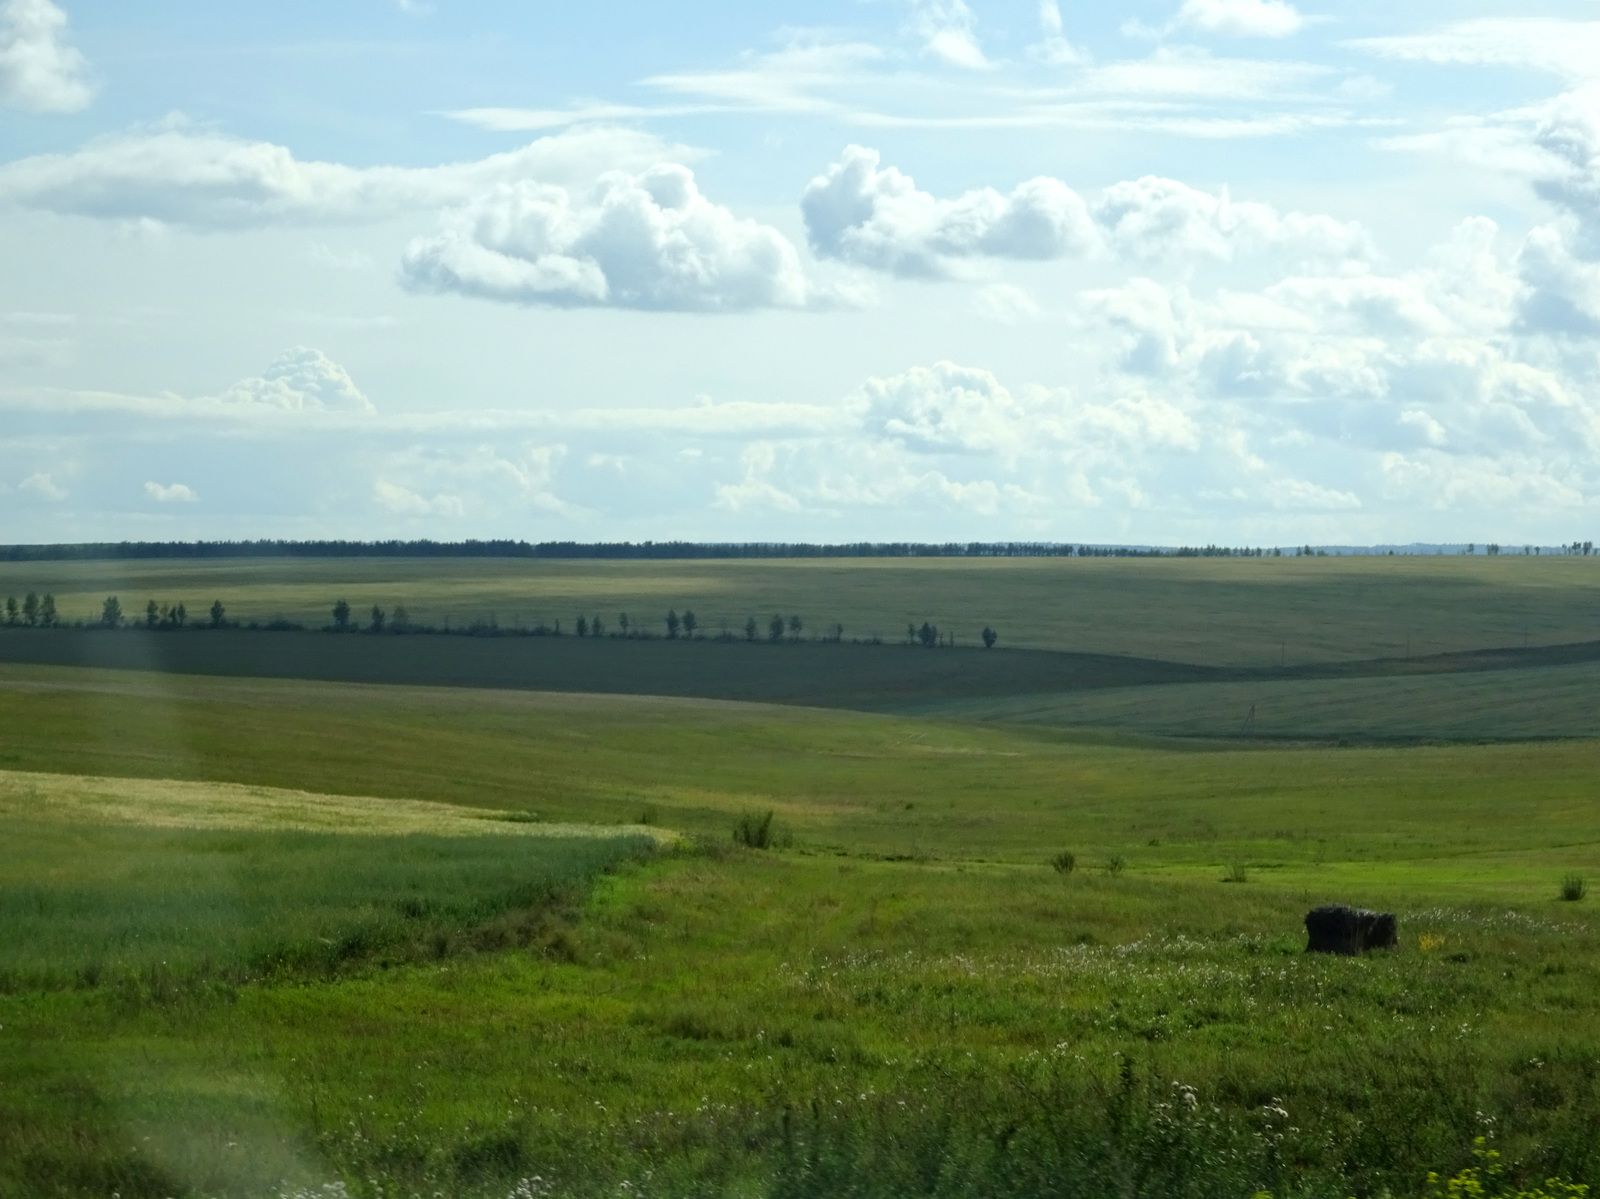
(1499, 705)
(278, 936)
(905, 1000)
(1235, 612)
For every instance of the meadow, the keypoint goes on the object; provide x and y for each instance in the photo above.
(1248, 612)
(278, 936)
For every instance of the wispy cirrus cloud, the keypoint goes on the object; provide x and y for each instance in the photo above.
(193, 177)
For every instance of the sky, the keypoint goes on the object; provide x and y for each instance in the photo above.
(1245, 272)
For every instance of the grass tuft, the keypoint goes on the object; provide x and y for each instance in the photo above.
(1574, 888)
(1064, 862)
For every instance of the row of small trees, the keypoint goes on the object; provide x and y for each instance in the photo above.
(684, 626)
(40, 612)
(35, 611)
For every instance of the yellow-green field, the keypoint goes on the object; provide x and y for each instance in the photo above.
(266, 937)
(1227, 611)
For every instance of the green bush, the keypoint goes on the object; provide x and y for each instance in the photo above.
(1064, 862)
(755, 830)
(1573, 888)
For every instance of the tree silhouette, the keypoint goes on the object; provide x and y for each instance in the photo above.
(110, 612)
(794, 628)
(11, 609)
(401, 620)
(379, 618)
(583, 626)
(219, 614)
(989, 637)
(689, 623)
(30, 609)
(622, 621)
(47, 611)
(180, 615)
(775, 629)
(152, 615)
(928, 635)
(341, 616)
(596, 628)
(672, 625)
(750, 628)
(911, 633)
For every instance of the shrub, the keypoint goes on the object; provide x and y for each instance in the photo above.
(1064, 862)
(1573, 888)
(757, 830)
(1116, 864)
(1236, 873)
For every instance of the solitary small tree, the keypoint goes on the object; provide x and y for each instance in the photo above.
(47, 611)
(622, 623)
(341, 616)
(672, 624)
(690, 623)
(911, 633)
(583, 626)
(180, 615)
(795, 626)
(152, 615)
(597, 629)
(219, 614)
(928, 635)
(11, 609)
(30, 609)
(775, 629)
(989, 637)
(750, 628)
(110, 612)
(379, 619)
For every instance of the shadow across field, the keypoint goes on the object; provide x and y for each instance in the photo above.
(864, 677)
(1490, 694)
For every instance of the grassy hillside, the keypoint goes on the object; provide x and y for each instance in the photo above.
(906, 1001)
(844, 782)
(1240, 612)
(1544, 702)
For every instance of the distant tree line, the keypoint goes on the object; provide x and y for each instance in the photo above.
(654, 550)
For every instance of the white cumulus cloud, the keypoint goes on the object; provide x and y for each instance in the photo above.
(1241, 18)
(1153, 218)
(206, 180)
(946, 28)
(870, 216)
(874, 216)
(649, 241)
(42, 484)
(301, 379)
(39, 71)
(175, 493)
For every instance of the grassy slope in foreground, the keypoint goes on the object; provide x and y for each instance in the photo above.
(966, 1021)
(1239, 612)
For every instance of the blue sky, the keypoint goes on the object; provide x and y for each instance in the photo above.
(1238, 271)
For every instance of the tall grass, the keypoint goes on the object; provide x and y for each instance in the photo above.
(162, 908)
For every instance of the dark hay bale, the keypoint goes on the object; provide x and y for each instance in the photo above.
(1338, 928)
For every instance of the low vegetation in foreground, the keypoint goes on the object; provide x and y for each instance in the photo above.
(968, 961)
